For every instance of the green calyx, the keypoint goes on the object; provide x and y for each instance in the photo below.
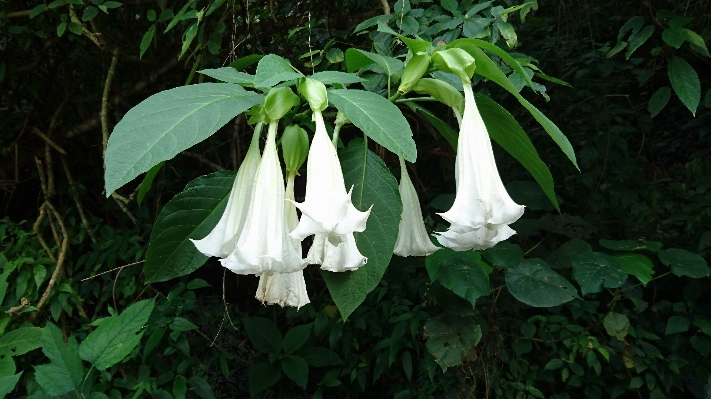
(456, 61)
(315, 93)
(295, 147)
(416, 67)
(279, 101)
(441, 91)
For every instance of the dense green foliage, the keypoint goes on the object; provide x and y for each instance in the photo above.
(608, 298)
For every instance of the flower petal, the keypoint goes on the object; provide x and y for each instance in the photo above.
(412, 237)
(284, 289)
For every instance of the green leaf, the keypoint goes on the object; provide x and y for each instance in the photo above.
(682, 263)
(75, 28)
(188, 37)
(197, 283)
(296, 337)
(180, 387)
(685, 83)
(505, 130)
(357, 59)
(372, 22)
(676, 325)
(629, 245)
(488, 69)
(378, 118)
(37, 10)
(467, 45)
(182, 324)
(320, 357)
(201, 387)
(334, 55)
(241, 63)
(8, 382)
(64, 373)
(530, 194)
(61, 28)
(191, 214)
(20, 341)
(659, 100)
(698, 41)
(674, 37)
(563, 256)
(637, 39)
(116, 337)
(147, 182)
(442, 127)
(532, 282)
(229, 75)
(415, 45)
(167, 123)
(450, 337)
(272, 70)
(450, 5)
(89, 13)
(264, 334)
(504, 254)
(595, 270)
(297, 369)
(637, 265)
(616, 325)
(459, 272)
(261, 377)
(331, 77)
(147, 40)
(507, 32)
(373, 184)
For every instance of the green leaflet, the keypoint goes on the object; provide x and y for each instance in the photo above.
(116, 336)
(532, 282)
(372, 185)
(378, 118)
(191, 214)
(167, 123)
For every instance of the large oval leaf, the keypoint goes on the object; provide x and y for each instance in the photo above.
(372, 185)
(167, 123)
(684, 263)
(191, 214)
(378, 118)
(459, 272)
(595, 270)
(532, 282)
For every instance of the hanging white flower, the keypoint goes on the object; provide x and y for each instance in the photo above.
(412, 237)
(482, 208)
(263, 245)
(343, 257)
(222, 239)
(285, 289)
(328, 209)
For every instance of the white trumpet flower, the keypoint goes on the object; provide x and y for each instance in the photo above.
(263, 246)
(222, 239)
(285, 289)
(328, 209)
(482, 208)
(412, 237)
(343, 257)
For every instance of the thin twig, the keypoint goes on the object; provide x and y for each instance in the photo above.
(114, 269)
(80, 209)
(49, 141)
(104, 114)
(60, 260)
(36, 226)
(203, 160)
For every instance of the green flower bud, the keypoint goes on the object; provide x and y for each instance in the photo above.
(442, 92)
(414, 70)
(315, 93)
(456, 61)
(279, 101)
(295, 147)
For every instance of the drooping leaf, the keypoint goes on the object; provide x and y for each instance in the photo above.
(637, 39)
(378, 118)
(449, 338)
(64, 373)
(459, 272)
(272, 70)
(147, 40)
(229, 75)
(191, 214)
(684, 263)
(532, 282)
(201, 387)
(20, 341)
(296, 337)
(147, 182)
(685, 83)
(167, 123)
(8, 382)
(373, 184)
(658, 101)
(296, 369)
(116, 336)
(499, 52)
(488, 69)
(241, 63)
(505, 130)
(261, 377)
(264, 334)
(637, 265)
(595, 270)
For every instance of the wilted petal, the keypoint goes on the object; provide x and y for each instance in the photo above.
(222, 239)
(481, 202)
(328, 208)
(263, 245)
(412, 237)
